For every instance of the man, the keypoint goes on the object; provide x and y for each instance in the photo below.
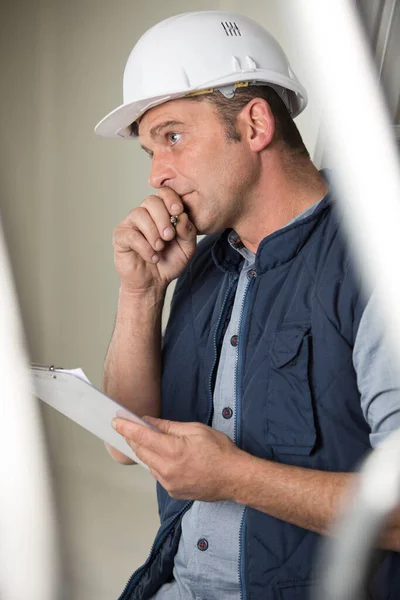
(271, 382)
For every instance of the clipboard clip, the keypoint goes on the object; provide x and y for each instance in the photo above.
(50, 368)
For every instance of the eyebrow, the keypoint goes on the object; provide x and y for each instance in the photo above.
(157, 129)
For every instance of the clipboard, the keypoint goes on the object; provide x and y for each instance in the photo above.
(71, 393)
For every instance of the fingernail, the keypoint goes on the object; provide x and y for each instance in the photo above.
(159, 245)
(155, 258)
(114, 424)
(176, 208)
(168, 233)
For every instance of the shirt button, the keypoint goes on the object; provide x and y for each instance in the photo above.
(234, 340)
(252, 273)
(236, 241)
(202, 544)
(227, 412)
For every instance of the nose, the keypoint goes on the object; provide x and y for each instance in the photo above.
(161, 171)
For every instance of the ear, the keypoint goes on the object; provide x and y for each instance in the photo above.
(259, 124)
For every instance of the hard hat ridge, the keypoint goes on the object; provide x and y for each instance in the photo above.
(196, 52)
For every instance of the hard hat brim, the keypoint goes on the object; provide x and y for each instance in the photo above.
(116, 124)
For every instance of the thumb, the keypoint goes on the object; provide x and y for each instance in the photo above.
(165, 426)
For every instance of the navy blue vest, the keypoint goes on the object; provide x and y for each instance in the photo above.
(297, 398)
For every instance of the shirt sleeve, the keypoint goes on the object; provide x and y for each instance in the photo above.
(378, 378)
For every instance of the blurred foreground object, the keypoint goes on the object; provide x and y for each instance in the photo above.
(346, 561)
(363, 151)
(29, 563)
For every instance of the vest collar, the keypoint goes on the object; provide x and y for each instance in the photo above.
(274, 250)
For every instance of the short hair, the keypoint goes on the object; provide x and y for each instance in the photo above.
(228, 110)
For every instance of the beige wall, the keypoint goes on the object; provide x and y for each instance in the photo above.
(63, 190)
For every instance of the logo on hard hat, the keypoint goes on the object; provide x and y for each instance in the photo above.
(230, 28)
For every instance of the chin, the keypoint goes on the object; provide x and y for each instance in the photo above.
(209, 230)
(205, 226)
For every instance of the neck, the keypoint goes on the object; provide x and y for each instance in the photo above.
(285, 188)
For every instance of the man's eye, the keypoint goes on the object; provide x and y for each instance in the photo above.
(174, 137)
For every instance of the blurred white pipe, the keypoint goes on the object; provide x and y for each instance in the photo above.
(345, 562)
(364, 154)
(28, 546)
(360, 141)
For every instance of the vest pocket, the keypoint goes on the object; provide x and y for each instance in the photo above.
(293, 591)
(290, 414)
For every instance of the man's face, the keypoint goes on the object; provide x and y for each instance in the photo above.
(191, 154)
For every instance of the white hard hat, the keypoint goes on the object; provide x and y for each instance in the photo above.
(197, 52)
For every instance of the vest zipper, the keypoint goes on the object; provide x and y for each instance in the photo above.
(238, 431)
(135, 577)
(239, 361)
(241, 570)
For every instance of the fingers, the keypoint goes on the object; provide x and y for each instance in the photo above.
(138, 435)
(165, 426)
(160, 450)
(184, 229)
(121, 458)
(171, 200)
(160, 207)
(156, 209)
(148, 228)
(127, 239)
